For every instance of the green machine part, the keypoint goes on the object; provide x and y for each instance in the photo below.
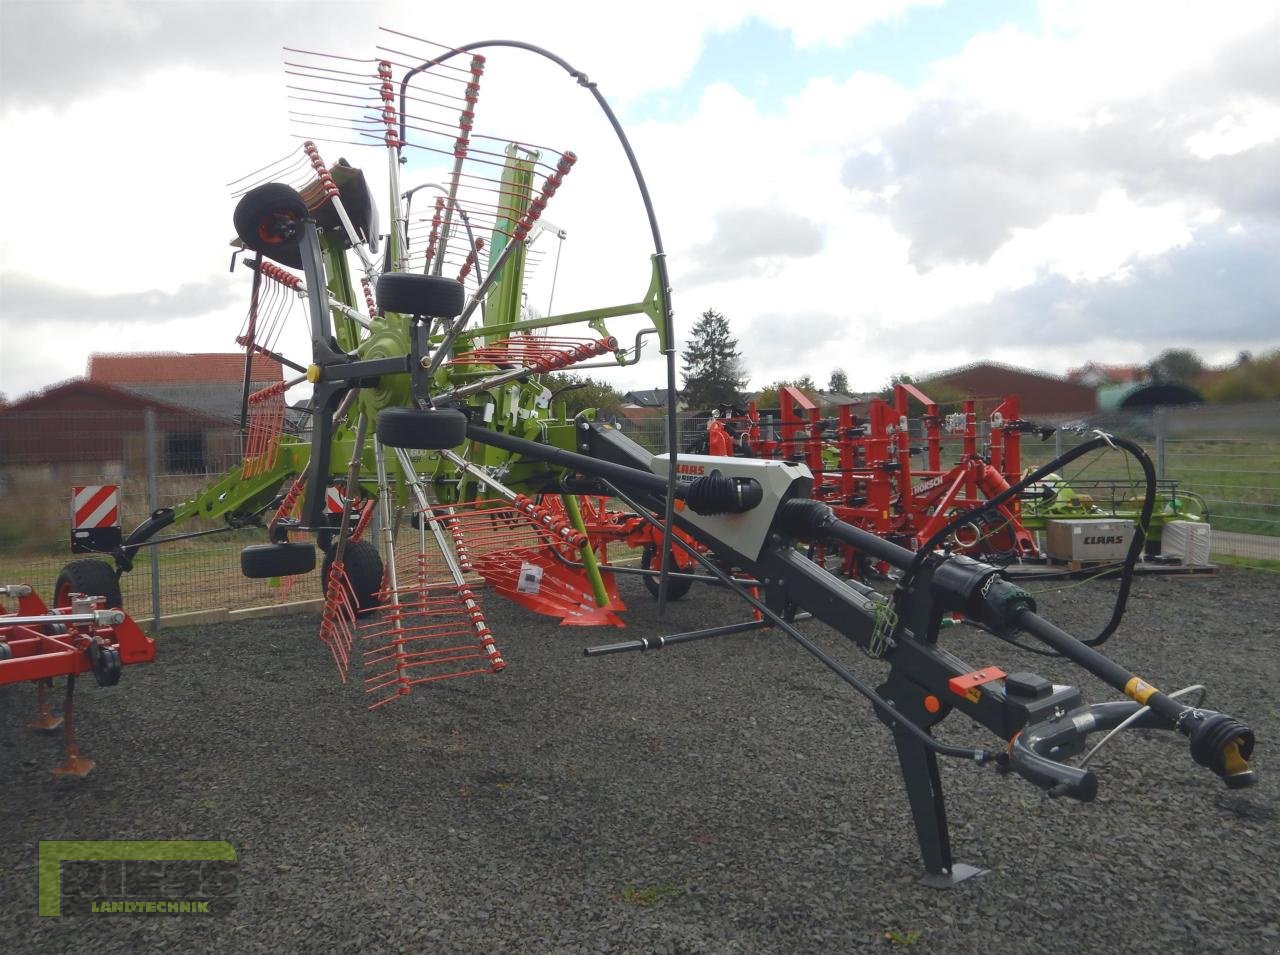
(502, 306)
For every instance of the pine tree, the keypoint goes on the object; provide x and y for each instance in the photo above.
(713, 371)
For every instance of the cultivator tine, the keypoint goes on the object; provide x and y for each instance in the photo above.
(76, 764)
(45, 721)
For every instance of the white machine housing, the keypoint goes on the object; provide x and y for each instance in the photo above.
(745, 533)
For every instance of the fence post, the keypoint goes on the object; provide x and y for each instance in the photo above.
(1057, 443)
(153, 503)
(1161, 420)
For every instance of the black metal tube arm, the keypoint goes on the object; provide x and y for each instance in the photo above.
(618, 473)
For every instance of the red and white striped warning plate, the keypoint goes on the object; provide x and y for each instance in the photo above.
(333, 500)
(95, 505)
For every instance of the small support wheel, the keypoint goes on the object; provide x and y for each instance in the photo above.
(432, 296)
(105, 663)
(286, 559)
(93, 577)
(433, 430)
(677, 587)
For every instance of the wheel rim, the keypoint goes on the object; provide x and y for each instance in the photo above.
(269, 227)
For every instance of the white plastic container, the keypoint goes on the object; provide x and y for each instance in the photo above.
(1189, 541)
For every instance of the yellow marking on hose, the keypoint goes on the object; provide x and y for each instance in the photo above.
(1139, 689)
(313, 374)
(1232, 761)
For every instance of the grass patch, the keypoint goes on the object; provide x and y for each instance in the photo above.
(903, 937)
(1253, 563)
(647, 896)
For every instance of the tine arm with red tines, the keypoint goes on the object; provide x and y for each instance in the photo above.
(434, 627)
(527, 359)
(294, 283)
(540, 516)
(265, 425)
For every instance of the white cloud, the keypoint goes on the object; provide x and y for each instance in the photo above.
(865, 225)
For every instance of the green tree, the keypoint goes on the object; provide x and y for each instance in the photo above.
(940, 392)
(580, 392)
(1175, 366)
(1252, 379)
(712, 366)
(839, 381)
(768, 397)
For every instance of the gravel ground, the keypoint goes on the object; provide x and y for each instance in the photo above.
(723, 796)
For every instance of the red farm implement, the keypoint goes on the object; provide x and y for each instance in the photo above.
(865, 467)
(38, 645)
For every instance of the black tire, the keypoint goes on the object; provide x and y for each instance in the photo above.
(677, 587)
(411, 294)
(432, 430)
(363, 565)
(267, 219)
(93, 577)
(287, 559)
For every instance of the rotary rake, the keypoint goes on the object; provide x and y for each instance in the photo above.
(403, 340)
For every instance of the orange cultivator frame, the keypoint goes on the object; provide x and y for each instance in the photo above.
(39, 644)
(863, 468)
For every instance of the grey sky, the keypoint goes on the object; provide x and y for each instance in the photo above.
(51, 52)
(870, 224)
(968, 176)
(1224, 287)
(28, 301)
(754, 239)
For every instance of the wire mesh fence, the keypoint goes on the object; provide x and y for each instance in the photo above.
(153, 460)
(1224, 459)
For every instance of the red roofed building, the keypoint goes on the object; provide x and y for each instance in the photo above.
(1040, 394)
(83, 427)
(210, 383)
